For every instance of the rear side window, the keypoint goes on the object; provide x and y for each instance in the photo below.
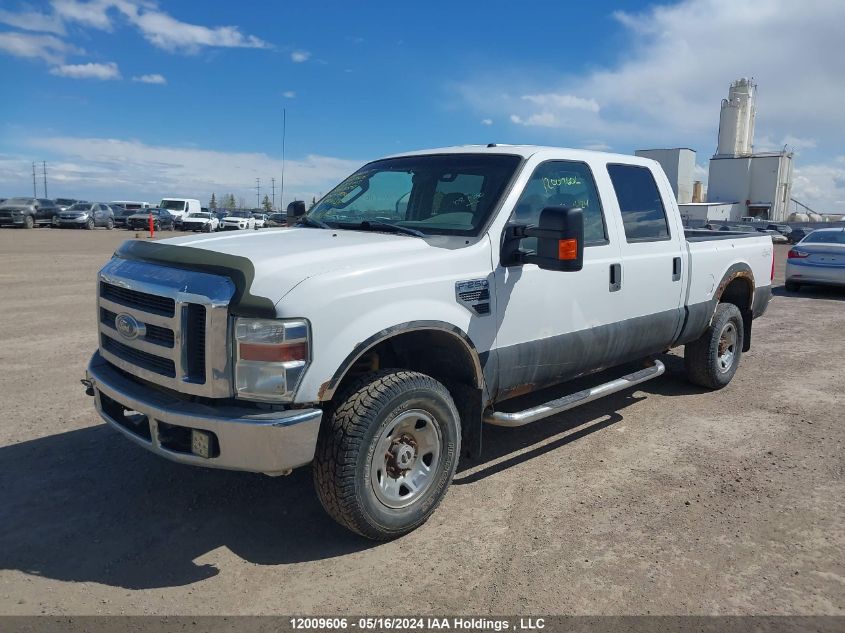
(567, 184)
(643, 214)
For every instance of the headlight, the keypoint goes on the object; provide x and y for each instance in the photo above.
(271, 356)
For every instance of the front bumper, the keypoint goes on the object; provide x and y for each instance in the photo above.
(243, 438)
(11, 220)
(73, 221)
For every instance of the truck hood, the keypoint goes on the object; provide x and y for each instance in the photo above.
(270, 263)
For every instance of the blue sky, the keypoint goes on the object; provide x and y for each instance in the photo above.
(136, 99)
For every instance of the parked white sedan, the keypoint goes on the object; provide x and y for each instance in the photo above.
(818, 259)
(200, 221)
(238, 220)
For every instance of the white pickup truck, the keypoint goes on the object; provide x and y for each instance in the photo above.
(375, 337)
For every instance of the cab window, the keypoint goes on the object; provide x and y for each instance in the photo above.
(643, 214)
(566, 184)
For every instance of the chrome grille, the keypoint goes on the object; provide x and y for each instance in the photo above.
(167, 325)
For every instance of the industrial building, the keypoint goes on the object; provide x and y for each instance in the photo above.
(741, 183)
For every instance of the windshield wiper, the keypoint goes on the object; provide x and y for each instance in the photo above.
(307, 220)
(379, 225)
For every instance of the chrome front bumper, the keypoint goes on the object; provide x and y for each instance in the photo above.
(249, 439)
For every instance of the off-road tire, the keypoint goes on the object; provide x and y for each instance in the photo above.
(701, 357)
(348, 439)
(28, 222)
(791, 286)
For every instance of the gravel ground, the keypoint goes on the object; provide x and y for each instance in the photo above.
(664, 500)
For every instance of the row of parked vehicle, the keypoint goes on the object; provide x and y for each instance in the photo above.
(171, 214)
(781, 233)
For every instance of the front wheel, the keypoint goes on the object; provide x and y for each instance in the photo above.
(388, 453)
(28, 222)
(110, 224)
(712, 359)
(90, 224)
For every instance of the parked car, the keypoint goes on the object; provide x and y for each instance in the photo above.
(818, 259)
(27, 212)
(133, 205)
(375, 337)
(121, 213)
(277, 219)
(162, 220)
(797, 234)
(65, 203)
(205, 222)
(85, 215)
(260, 220)
(180, 207)
(777, 236)
(783, 229)
(238, 220)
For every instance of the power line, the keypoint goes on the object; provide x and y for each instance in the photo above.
(257, 192)
(273, 181)
(44, 167)
(34, 189)
(284, 130)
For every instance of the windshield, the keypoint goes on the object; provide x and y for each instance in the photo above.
(80, 206)
(240, 214)
(204, 216)
(22, 202)
(825, 237)
(65, 201)
(442, 194)
(175, 205)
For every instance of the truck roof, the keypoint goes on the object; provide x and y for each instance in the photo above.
(527, 151)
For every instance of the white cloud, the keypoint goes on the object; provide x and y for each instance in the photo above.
(111, 169)
(597, 146)
(820, 186)
(33, 21)
(157, 27)
(289, 94)
(47, 48)
(154, 78)
(300, 56)
(486, 121)
(562, 101)
(87, 71)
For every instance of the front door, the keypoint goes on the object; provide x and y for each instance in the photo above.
(557, 325)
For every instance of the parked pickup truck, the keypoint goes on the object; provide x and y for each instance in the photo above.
(407, 306)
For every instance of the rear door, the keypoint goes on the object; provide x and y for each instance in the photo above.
(651, 246)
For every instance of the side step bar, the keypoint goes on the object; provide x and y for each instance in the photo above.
(520, 418)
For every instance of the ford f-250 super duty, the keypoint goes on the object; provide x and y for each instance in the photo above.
(375, 337)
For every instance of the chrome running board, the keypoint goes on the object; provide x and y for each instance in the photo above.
(520, 418)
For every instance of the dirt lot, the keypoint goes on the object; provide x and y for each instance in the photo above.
(663, 500)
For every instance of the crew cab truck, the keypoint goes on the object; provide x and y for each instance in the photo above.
(376, 337)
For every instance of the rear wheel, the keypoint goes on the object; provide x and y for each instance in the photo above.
(792, 286)
(110, 224)
(712, 359)
(388, 453)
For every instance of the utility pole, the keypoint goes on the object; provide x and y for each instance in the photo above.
(257, 192)
(273, 181)
(284, 130)
(44, 167)
(34, 190)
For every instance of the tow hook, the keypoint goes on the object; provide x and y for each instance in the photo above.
(89, 386)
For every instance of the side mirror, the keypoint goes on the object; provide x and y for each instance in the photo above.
(296, 210)
(560, 241)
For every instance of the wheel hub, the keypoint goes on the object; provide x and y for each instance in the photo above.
(401, 455)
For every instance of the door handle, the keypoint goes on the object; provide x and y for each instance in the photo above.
(676, 269)
(615, 277)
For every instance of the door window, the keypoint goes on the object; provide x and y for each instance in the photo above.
(643, 214)
(562, 183)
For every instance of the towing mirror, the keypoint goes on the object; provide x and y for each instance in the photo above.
(560, 240)
(296, 210)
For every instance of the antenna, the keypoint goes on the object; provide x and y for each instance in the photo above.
(34, 190)
(44, 167)
(284, 131)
